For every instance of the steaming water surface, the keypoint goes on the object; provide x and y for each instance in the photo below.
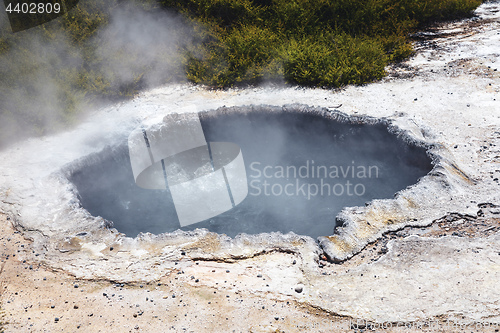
(302, 169)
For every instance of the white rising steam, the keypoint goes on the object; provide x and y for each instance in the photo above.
(40, 70)
(140, 45)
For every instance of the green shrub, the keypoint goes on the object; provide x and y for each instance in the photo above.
(247, 54)
(334, 61)
(251, 41)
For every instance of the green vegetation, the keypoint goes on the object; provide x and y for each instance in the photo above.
(48, 72)
(308, 42)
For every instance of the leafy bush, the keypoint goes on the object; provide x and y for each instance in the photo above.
(245, 55)
(310, 42)
(334, 61)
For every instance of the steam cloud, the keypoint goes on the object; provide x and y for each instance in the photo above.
(47, 80)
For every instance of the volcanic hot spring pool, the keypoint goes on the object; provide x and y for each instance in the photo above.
(302, 168)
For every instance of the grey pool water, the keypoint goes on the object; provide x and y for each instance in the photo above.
(302, 169)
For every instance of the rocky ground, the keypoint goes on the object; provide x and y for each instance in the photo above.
(437, 278)
(209, 297)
